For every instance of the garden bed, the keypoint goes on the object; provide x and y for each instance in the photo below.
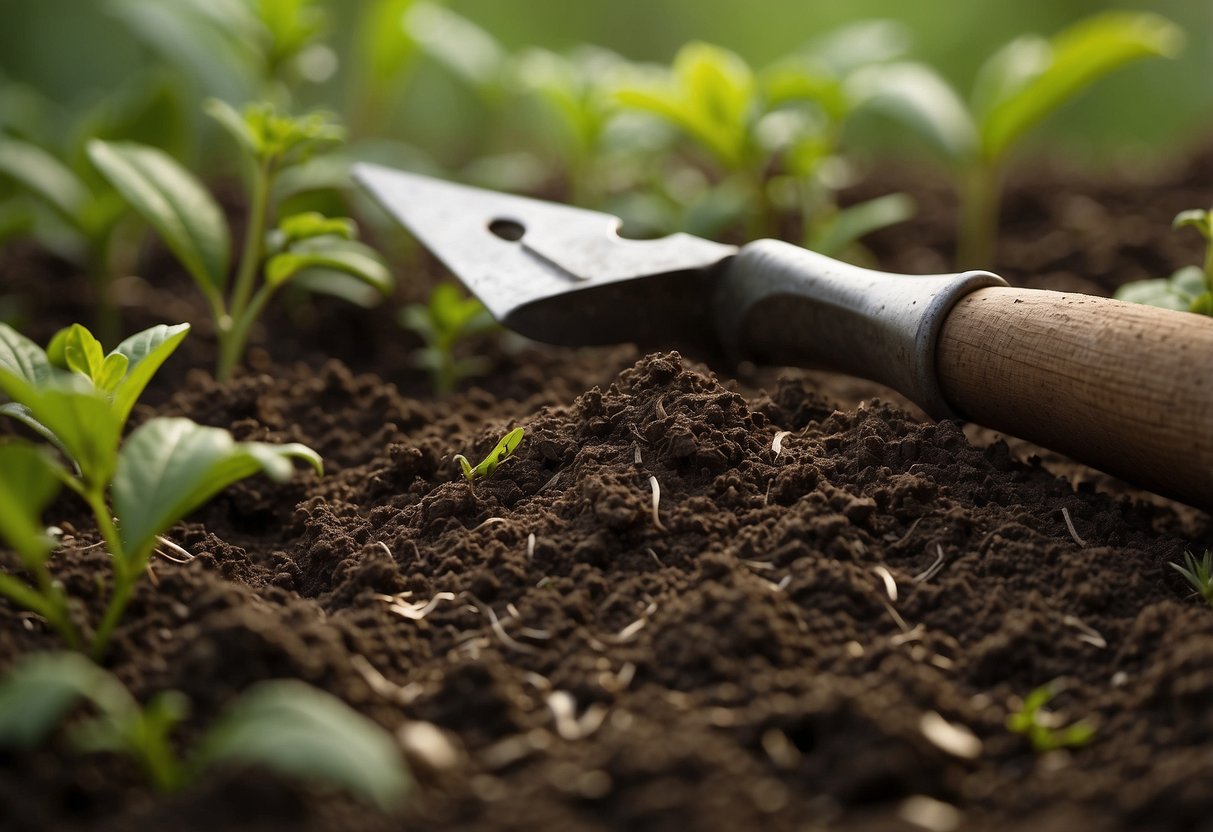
(730, 657)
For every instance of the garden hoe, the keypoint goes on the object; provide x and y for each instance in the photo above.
(1123, 387)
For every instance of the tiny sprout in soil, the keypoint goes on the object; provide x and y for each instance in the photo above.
(191, 223)
(1198, 573)
(1189, 289)
(443, 323)
(284, 725)
(78, 399)
(1044, 729)
(504, 448)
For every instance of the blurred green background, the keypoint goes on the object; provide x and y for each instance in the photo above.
(76, 52)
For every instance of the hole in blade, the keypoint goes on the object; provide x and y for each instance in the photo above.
(511, 230)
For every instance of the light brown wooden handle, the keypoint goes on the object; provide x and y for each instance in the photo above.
(1122, 387)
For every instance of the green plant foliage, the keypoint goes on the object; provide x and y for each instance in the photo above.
(284, 726)
(79, 398)
(1016, 88)
(443, 323)
(1198, 573)
(1189, 289)
(190, 222)
(501, 451)
(1043, 729)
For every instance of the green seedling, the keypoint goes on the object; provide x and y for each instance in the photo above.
(489, 464)
(1016, 88)
(1198, 573)
(78, 398)
(1189, 289)
(1044, 729)
(774, 137)
(445, 321)
(285, 726)
(191, 224)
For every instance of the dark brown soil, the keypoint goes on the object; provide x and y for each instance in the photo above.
(730, 660)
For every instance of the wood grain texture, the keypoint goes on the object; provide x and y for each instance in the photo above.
(1122, 387)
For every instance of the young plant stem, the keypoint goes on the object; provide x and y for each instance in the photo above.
(124, 580)
(231, 346)
(229, 326)
(978, 229)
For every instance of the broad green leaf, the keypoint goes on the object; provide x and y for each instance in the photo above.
(56, 349)
(22, 357)
(145, 352)
(83, 353)
(296, 730)
(45, 176)
(1024, 84)
(169, 467)
(113, 370)
(292, 25)
(1180, 291)
(173, 202)
(457, 43)
(28, 483)
(855, 45)
(1197, 218)
(344, 256)
(42, 688)
(80, 417)
(298, 227)
(917, 96)
(387, 46)
(231, 121)
(851, 224)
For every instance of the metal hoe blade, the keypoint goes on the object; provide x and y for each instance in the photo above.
(553, 272)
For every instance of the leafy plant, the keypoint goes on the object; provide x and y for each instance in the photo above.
(1044, 729)
(1198, 573)
(285, 726)
(1016, 88)
(501, 451)
(445, 321)
(1189, 289)
(79, 398)
(191, 223)
(776, 133)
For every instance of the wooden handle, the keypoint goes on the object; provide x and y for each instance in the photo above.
(1119, 386)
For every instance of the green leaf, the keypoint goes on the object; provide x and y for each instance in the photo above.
(113, 370)
(39, 691)
(169, 467)
(299, 227)
(387, 46)
(1027, 79)
(173, 202)
(917, 96)
(457, 43)
(850, 224)
(231, 121)
(83, 353)
(1180, 291)
(344, 256)
(501, 451)
(28, 483)
(1197, 218)
(22, 357)
(296, 730)
(80, 417)
(46, 177)
(145, 351)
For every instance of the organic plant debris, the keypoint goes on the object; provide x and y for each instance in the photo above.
(831, 636)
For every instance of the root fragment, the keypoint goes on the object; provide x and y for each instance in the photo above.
(890, 585)
(656, 502)
(1086, 633)
(182, 555)
(530, 546)
(400, 604)
(777, 442)
(1065, 513)
(932, 570)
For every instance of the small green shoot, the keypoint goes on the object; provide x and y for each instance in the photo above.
(79, 399)
(1044, 729)
(1198, 573)
(191, 223)
(443, 323)
(489, 464)
(286, 726)
(1016, 88)
(1190, 289)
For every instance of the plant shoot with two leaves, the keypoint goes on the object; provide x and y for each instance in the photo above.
(443, 323)
(79, 398)
(1190, 289)
(191, 223)
(502, 451)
